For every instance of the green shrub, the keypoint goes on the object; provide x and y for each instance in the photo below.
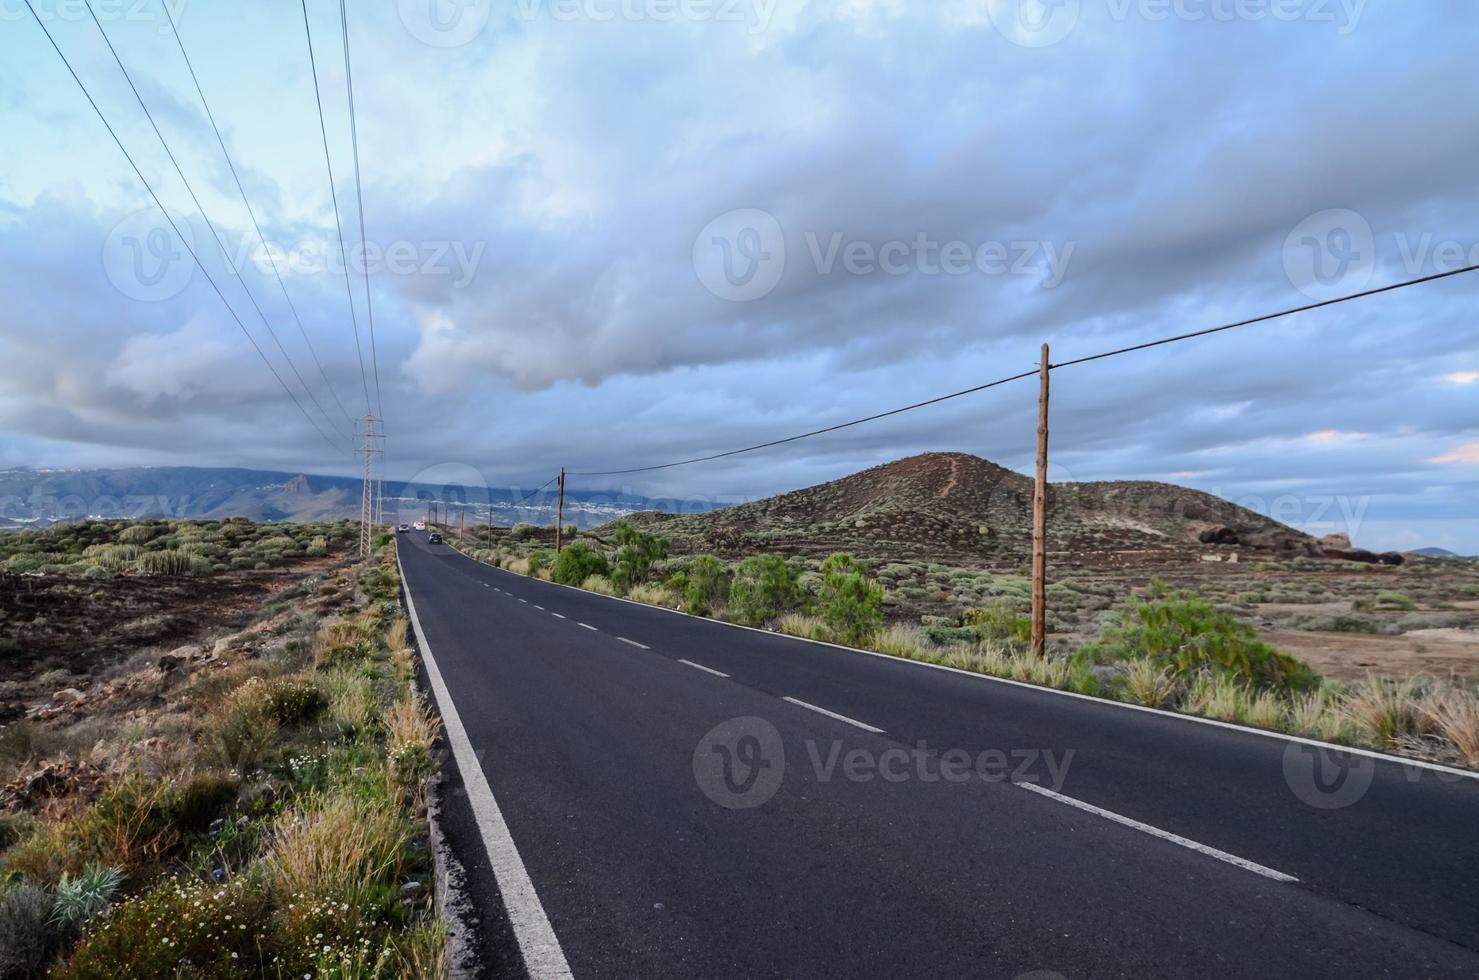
(764, 586)
(998, 621)
(139, 533)
(538, 562)
(1395, 600)
(167, 562)
(199, 800)
(1187, 634)
(577, 562)
(215, 930)
(636, 551)
(705, 586)
(850, 604)
(295, 702)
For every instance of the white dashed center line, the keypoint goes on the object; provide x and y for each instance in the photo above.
(588, 626)
(639, 646)
(539, 607)
(557, 615)
(707, 670)
(1165, 835)
(832, 714)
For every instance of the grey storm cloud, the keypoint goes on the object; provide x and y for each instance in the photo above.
(550, 180)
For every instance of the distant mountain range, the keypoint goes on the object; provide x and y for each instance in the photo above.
(37, 497)
(1439, 553)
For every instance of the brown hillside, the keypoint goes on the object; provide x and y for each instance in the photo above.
(958, 508)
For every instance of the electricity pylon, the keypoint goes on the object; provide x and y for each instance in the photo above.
(369, 496)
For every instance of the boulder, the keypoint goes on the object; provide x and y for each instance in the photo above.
(1341, 542)
(67, 695)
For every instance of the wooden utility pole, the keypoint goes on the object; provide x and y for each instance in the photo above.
(560, 514)
(1040, 518)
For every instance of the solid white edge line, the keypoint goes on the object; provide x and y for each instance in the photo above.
(832, 714)
(540, 947)
(588, 626)
(710, 670)
(1165, 835)
(1195, 719)
(639, 646)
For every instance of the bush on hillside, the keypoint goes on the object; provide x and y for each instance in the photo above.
(1187, 635)
(705, 585)
(764, 587)
(636, 552)
(851, 604)
(578, 562)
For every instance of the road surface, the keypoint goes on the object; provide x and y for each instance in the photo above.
(672, 797)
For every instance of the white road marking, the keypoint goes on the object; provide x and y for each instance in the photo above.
(539, 607)
(639, 646)
(708, 670)
(589, 627)
(543, 957)
(1166, 835)
(832, 714)
(525, 601)
(557, 615)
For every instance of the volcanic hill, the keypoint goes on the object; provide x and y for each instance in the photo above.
(960, 509)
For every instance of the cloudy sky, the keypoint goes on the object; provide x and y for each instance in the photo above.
(611, 233)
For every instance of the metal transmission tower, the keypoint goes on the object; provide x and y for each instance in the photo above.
(369, 497)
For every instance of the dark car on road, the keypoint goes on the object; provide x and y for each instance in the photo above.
(435, 538)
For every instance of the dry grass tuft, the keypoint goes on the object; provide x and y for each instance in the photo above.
(1387, 711)
(336, 852)
(799, 624)
(411, 734)
(1455, 715)
(1148, 685)
(653, 595)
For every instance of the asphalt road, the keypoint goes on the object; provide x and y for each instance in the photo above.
(689, 799)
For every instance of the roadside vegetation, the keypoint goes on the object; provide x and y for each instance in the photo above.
(105, 549)
(253, 804)
(1162, 647)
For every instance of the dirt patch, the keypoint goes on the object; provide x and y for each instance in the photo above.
(1351, 656)
(72, 625)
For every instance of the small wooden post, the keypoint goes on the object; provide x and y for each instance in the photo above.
(560, 514)
(1040, 519)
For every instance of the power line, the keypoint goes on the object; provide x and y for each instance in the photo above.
(815, 432)
(251, 213)
(334, 196)
(1031, 374)
(226, 255)
(1270, 316)
(167, 217)
(533, 492)
(360, 198)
